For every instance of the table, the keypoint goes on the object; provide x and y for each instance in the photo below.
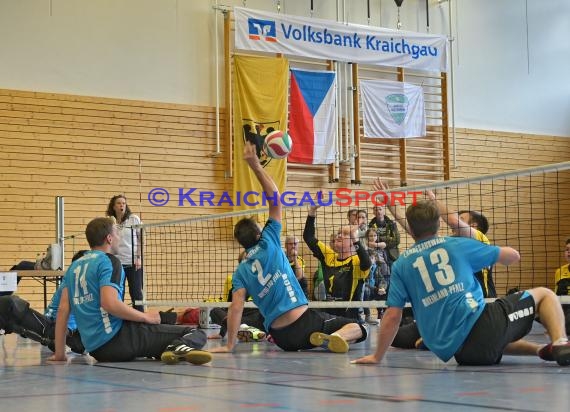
(44, 276)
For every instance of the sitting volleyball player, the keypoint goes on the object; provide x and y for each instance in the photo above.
(436, 276)
(112, 331)
(266, 275)
(17, 316)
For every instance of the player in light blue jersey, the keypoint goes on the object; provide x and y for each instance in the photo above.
(112, 331)
(17, 316)
(436, 276)
(266, 275)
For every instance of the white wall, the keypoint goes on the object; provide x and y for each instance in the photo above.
(163, 50)
(155, 50)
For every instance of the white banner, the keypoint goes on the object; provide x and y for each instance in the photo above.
(326, 39)
(392, 109)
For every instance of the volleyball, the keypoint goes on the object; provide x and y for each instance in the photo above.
(278, 144)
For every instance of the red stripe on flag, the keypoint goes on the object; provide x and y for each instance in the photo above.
(301, 127)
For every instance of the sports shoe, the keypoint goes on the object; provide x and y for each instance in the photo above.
(561, 354)
(545, 353)
(420, 344)
(176, 353)
(250, 334)
(371, 321)
(334, 343)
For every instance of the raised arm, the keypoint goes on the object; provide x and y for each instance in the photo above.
(309, 232)
(459, 227)
(267, 183)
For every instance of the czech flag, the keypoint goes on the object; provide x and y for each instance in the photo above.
(312, 116)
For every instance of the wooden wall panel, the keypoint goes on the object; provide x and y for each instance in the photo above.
(89, 148)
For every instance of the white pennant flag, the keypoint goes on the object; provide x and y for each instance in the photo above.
(392, 109)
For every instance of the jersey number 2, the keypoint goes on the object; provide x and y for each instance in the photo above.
(256, 267)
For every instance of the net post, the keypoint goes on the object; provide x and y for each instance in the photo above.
(204, 319)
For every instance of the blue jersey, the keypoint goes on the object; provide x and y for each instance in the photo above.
(84, 280)
(436, 276)
(51, 311)
(267, 276)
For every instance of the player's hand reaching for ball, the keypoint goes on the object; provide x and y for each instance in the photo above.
(250, 155)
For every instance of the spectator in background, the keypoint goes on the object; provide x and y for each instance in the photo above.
(387, 232)
(379, 278)
(296, 261)
(129, 252)
(361, 222)
(352, 216)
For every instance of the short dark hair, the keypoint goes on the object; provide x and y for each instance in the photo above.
(246, 232)
(423, 218)
(351, 211)
(111, 210)
(568, 241)
(359, 211)
(477, 218)
(97, 230)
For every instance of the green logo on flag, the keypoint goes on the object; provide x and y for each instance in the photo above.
(397, 106)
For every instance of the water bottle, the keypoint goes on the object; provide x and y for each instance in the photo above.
(38, 264)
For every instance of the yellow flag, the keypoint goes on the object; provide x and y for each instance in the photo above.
(260, 107)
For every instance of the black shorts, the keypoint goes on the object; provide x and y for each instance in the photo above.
(296, 335)
(142, 340)
(504, 321)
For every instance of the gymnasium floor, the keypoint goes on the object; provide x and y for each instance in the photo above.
(260, 377)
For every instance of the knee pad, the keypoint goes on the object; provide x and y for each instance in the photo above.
(196, 338)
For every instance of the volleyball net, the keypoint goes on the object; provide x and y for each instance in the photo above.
(187, 262)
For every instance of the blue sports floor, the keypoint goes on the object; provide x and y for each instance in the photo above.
(261, 377)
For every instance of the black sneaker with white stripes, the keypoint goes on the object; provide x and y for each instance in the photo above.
(561, 354)
(176, 353)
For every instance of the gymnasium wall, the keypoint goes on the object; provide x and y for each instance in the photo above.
(510, 58)
(88, 149)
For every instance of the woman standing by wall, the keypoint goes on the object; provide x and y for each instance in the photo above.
(129, 250)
